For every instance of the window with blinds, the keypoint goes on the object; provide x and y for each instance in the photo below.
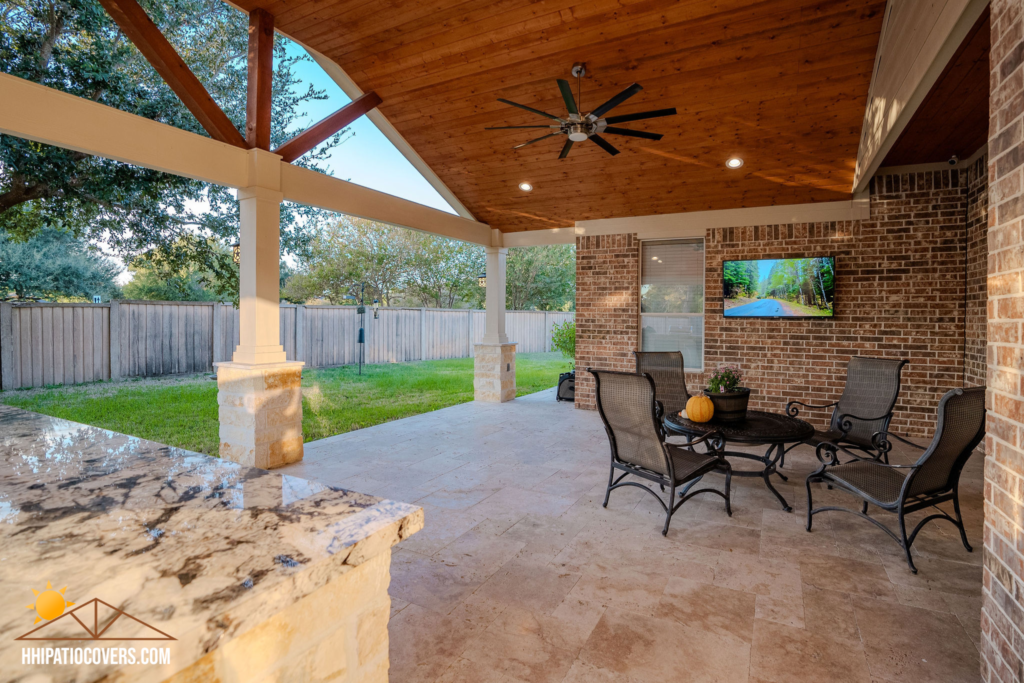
(672, 299)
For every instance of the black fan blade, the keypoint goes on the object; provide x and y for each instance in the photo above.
(570, 101)
(633, 133)
(603, 144)
(551, 135)
(511, 127)
(626, 118)
(617, 100)
(535, 111)
(565, 149)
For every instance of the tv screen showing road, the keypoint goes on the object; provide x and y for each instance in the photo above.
(779, 288)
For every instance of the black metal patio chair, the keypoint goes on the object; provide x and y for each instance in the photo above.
(902, 489)
(669, 375)
(861, 416)
(628, 409)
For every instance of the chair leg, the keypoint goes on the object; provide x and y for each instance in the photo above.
(960, 521)
(864, 509)
(810, 504)
(669, 510)
(608, 493)
(728, 483)
(905, 543)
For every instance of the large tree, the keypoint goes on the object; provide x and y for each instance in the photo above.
(444, 272)
(74, 46)
(541, 278)
(354, 252)
(54, 265)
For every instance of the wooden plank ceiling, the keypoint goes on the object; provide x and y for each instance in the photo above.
(780, 83)
(953, 118)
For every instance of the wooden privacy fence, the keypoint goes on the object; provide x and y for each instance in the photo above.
(45, 344)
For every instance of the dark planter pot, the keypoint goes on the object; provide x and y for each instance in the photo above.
(566, 387)
(730, 406)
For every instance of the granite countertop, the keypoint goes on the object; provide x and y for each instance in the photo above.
(196, 547)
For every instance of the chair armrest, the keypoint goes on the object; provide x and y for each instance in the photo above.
(909, 443)
(846, 425)
(714, 440)
(832, 449)
(659, 409)
(793, 411)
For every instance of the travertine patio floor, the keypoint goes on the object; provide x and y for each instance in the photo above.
(521, 575)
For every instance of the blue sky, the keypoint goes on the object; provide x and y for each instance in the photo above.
(368, 159)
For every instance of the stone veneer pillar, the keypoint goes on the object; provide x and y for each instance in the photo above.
(494, 364)
(259, 391)
(1002, 615)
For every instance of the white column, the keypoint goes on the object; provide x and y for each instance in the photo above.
(494, 360)
(494, 331)
(259, 293)
(259, 391)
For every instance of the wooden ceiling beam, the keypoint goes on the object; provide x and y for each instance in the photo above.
(317, 133)
(141, 30)
(261, 76)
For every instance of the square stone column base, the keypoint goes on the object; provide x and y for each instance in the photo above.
(494, 372)
(260, 413)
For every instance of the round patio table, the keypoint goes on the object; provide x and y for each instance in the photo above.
(773, 429)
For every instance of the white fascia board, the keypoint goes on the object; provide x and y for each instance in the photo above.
(35, 112)
(696, 223)
(311, 188)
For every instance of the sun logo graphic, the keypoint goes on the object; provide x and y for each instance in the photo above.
(49, 603)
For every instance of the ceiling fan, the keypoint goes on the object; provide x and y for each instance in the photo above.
(580, 127)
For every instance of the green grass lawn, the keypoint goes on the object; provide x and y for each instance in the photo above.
(183, 412)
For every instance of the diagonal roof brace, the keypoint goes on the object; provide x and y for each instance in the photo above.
(141, 30)
(317, 133)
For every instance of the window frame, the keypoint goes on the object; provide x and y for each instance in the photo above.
(640, 297)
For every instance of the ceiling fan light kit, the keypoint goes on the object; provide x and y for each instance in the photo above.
(579, 127)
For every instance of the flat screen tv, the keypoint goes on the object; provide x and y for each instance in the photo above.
(780, 288)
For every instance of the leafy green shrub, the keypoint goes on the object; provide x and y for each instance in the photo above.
(563, 338)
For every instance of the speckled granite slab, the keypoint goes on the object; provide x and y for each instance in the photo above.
(196, 547)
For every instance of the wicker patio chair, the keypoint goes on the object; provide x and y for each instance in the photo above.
(860, 418)
(903, 489)
(666, 369)
(628, 409)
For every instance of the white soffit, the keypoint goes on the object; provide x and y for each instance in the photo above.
(696, 223)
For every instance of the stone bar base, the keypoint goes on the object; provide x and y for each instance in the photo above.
(494, 373)
(260, 413)
(337, 633)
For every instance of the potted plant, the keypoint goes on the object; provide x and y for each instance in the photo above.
(563, 338)
(725, 392)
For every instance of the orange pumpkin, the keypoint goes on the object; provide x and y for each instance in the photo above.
(699, 409)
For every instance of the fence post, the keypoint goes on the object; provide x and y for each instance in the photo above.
(547, 334)
(218, 334)
(115, 340)
(300, 332)
(6, 348)
(423, 333)
(469, 338)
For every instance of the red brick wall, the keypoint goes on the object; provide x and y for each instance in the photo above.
(900, 294)
(607, 302)
(1002, 616)
(977, 272)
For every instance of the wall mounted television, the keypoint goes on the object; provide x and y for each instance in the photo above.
(779, 288)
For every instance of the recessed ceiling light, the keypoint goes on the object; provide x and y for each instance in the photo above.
(734, 162)
(525, 187)
(654, 258)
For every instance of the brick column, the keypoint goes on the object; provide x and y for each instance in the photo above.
(1002, 617)
(607, 308)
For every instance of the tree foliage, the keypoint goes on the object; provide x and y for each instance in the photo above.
(54, 265)
(807, 281)
(74, 46)
(156, 277)
(740, 279)
(402, 267)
